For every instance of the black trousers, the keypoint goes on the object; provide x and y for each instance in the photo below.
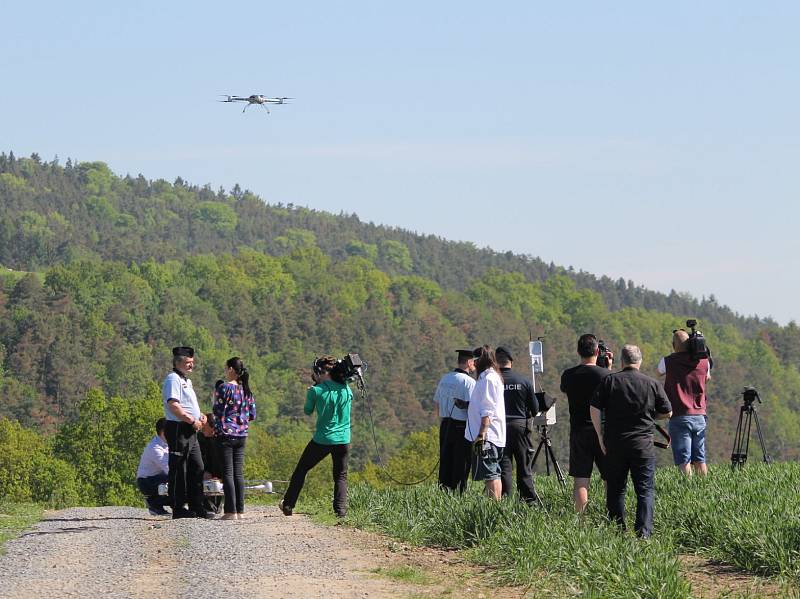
(313, 454)
(149, 488)
(518, 446)
(231, 450)
(185, 467)
(454, 454)
(619, 461)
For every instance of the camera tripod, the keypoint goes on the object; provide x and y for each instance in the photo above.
(549, 455)
(741, 442)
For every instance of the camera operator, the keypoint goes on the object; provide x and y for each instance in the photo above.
(579, 384)
(452, 399)
(184, 419)
(685, 384)
(630, 402)
(331, 398)
(521, 406)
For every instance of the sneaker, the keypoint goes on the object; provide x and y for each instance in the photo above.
(206, 515)
(287, 510)
(157, 511)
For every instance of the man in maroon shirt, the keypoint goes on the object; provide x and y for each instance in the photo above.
(685, 384)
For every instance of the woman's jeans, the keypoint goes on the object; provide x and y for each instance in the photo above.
(231, 450)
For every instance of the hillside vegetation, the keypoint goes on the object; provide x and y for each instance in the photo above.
(104, 274)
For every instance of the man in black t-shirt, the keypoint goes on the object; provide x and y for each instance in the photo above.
(579, 384)
(630, 401)
(521, 405)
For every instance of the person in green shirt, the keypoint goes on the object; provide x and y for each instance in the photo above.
(331, 398)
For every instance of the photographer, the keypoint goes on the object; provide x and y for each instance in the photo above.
(452, 399)
(486, 423)
(630, 402)
(579, 384)
(685, 384)
(331, 398)
(521, 406)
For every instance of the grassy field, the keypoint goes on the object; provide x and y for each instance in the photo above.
(16, 517)
(747, 519)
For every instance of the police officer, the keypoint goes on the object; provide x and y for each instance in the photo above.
(452, 400)
(521, 405)
(184, 419)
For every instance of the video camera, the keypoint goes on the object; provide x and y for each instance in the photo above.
(750, 395)
(697, 342)
(349, 368)
(602, 356)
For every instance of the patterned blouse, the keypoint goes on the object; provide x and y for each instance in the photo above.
(233, 411)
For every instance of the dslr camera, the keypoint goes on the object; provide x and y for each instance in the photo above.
(602, 356)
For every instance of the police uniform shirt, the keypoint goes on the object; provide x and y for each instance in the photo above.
(179, 388)
(454, 385)
(518, 395)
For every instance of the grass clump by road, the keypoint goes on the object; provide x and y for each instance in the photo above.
(16, 517)
(747, 519)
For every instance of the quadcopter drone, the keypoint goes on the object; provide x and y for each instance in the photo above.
(255, 99)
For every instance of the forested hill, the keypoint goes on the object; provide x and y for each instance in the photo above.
(54, 214)
(103, 274)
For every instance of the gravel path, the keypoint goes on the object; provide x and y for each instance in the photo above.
(120, 552)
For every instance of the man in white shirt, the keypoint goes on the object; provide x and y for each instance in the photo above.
(452, 398)
(153, 470)
(486, 423)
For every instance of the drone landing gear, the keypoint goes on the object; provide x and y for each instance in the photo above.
(549, 455)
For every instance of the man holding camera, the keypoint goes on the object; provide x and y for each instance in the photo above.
(685, 384)
(630, 402)
(579, 384)
(184, 419)
(521, 406)
(452, 400)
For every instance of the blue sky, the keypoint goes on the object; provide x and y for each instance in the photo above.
(655, 143)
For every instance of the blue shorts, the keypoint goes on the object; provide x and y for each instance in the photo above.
(486, 462)
(688, 439)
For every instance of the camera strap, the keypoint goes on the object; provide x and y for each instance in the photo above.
(665, 434)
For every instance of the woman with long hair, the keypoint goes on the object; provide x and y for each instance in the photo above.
(234, 408)
(486, 423)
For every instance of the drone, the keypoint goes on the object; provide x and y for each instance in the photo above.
(255, 99)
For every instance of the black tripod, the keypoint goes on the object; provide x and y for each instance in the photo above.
(741, 442)
(549, 455)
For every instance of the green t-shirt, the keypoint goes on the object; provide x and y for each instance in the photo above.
(332, 402)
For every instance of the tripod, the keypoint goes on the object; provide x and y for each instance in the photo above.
(741, 442)
(549, 455)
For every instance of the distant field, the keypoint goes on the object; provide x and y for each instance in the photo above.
(747, 520)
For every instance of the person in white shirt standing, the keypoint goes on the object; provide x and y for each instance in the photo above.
(486, 423)
(153, 470)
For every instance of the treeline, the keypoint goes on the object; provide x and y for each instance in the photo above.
(118, 270)
(54, 214)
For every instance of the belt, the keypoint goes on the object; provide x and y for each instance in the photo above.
(665, 434)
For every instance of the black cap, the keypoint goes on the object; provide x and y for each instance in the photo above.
(502, 351)
(183, 352)
(476, 353)
(465, 354)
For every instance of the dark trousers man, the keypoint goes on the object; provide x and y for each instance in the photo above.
(313, 454)
(518, 446)
(149, 488)
(185, 469)
(454, 454)
(620, 460)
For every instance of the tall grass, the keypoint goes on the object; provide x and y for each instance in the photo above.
(748, 519)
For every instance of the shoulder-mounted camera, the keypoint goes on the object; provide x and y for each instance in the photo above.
(697, 342)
